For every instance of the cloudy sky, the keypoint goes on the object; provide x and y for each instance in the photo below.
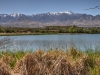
(43, 6)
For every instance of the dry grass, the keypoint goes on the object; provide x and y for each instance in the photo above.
(52, 63)
(4, 69)
(45, 64)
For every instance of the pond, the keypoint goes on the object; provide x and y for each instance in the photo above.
(58, 41)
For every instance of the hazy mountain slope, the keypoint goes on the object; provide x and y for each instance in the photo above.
(50, 18)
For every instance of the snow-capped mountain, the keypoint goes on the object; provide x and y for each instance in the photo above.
(16, 15)
(3, 15)
(11, 15)
(60, 13)
(49, 18)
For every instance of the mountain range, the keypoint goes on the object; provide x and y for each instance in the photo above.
(49, 19)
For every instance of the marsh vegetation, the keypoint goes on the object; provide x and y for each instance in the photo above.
(55, 62)
(71, 61)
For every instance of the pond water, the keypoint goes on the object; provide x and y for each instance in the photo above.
(58, 41)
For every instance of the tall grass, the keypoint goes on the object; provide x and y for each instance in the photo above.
(54, 62)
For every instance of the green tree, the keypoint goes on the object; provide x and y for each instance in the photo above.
(2, 29)
(79, 30)
(71, 29)
(9, 30)
(93, 30)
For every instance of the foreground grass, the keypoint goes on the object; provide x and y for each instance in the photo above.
(55, 62)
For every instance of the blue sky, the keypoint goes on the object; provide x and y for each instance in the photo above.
(42, 6)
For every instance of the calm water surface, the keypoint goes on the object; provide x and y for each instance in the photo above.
(59, 41)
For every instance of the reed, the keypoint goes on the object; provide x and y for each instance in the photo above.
(4, 69)
(54, 62)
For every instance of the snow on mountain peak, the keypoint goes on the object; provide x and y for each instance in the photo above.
(65, 12)
(69, 12)
(3, 15)
(15, 14)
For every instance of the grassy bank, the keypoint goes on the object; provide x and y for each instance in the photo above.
(17, 34)
(54, 62)
(20, 34)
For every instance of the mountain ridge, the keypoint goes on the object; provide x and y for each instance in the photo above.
(50, 18)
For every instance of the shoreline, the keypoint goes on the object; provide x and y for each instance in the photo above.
(18, 34)
(14, 34)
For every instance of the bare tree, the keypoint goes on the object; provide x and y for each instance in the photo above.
(96, 7)
(5, 42)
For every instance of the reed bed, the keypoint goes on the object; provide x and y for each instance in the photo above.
(55, 62)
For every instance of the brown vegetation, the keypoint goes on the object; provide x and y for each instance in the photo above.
(4, 69)
(49, 63)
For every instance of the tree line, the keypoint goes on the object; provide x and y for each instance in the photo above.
(51, 29)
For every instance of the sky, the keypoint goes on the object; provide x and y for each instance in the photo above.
(29, 7)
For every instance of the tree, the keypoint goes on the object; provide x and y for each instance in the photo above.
(9, 30)
(79, 30)
(71, 29)
(2, 29)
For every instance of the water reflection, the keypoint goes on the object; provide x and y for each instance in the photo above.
(63, 42)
